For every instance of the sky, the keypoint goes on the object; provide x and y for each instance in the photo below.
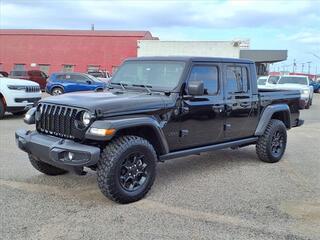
(292, 25)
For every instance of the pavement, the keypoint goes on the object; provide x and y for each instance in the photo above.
(227, 194)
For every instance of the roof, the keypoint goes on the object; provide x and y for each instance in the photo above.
(265, 56)
(104, 33)
(193, 59)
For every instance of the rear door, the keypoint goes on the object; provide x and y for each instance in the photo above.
(82, 83)
(241, 105)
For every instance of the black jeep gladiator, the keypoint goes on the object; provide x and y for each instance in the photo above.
(158, 108)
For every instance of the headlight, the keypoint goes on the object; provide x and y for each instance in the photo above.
(16, 87)
(86, 118)
(304, 91)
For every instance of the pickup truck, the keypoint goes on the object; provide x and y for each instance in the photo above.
(158, 108)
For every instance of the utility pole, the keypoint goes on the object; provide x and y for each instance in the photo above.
(92, 27)
(294, 65)
(302, 66)
(309, 66)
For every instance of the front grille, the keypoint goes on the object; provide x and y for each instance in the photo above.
(57, 120)
(32, 89)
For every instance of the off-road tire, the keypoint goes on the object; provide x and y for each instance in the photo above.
(56, 89)
(111, 162)
(264, 144)
(45, 168)
(2, 109)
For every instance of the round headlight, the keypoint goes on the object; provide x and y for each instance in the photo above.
(86, 118)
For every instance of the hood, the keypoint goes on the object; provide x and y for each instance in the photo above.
(291, 86)
(113, 102)
(15, 81)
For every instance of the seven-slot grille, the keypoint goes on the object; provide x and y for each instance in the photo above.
(57, 120)
(32, 89)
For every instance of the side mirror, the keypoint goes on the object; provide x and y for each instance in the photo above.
(89, 82)
(196, 88)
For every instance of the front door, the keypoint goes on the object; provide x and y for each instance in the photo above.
(202, 117)
(241, 104)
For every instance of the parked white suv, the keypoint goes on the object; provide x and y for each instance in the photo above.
(17, 96)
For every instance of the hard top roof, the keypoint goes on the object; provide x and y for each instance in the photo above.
(192, 59)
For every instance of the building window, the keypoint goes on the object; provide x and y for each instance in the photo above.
(67, 68)
(44, 68)
(93, 68)
(19, 67)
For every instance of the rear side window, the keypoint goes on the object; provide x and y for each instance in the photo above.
(209, 76)
(237, 79)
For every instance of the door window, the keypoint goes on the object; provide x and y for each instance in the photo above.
(78, 78)
(19, 67)
(208, 75)
(237, 79)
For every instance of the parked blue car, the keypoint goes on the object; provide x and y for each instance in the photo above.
(60, 83)
(316, 86)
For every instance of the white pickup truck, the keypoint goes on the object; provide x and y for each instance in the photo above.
(17, 96)
(289, 82)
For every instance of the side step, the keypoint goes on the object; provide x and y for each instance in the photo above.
(198, 150)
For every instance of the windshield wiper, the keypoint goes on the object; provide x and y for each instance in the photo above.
(121, 84)
(147, 87)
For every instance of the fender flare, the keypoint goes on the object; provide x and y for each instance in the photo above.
(267, 115)
(126, 123)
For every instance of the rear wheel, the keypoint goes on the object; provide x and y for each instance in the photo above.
(126, 169)
(272, 144)
(57, 91)
(45, 168)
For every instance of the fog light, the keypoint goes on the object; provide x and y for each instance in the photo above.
(70, 156)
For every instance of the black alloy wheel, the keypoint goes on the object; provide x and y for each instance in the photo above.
(134, 172)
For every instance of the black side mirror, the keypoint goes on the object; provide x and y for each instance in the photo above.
(89, 82)
(196, 88)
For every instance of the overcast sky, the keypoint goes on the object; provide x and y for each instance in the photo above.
(292, 25)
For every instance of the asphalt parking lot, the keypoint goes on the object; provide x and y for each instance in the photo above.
(227, 194)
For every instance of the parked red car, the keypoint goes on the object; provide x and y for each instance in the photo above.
(32, 75)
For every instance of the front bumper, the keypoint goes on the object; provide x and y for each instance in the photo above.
(55, 151)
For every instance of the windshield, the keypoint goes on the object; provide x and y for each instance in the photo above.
(262, 80)
(154, 74)
(93, 78)
(273, 79)
(293, 80)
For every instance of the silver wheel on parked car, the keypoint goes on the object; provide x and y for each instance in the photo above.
(57, 91)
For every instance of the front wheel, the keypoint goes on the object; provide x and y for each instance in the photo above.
(57, 91)
(272, 144)
(126, 169)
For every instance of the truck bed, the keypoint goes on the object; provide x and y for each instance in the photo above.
(275, 94)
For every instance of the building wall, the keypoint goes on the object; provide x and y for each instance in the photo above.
(189, 48)
(59, 49)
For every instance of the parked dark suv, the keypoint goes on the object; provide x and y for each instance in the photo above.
(32, 75)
